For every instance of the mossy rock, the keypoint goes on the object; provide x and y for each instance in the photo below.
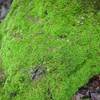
(56, 35)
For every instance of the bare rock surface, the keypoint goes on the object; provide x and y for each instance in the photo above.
(91, 91)
(4, 8)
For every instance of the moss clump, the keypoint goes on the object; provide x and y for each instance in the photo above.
(54, 34)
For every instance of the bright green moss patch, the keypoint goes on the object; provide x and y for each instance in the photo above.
(55, 34)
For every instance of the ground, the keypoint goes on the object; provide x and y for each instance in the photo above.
(56, 40)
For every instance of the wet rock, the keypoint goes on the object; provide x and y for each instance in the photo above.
(79, 96)
(98, 90)
(1, 1)
(83, 91)
(90, 91)
(3, 12)
(4, 8)
(95, 96)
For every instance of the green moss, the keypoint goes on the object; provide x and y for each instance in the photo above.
(56, 34)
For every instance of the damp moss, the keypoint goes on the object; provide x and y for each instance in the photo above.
(59, 35)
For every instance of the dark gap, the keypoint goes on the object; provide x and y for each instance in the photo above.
(50, 94)
(37, 72)
(13, 94)
(62, 36)
(90, 91)
(46, 12)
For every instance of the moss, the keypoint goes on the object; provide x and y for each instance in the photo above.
(56, 34)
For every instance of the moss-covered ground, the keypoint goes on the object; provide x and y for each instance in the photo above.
(62, 36)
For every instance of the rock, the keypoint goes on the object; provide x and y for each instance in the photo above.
(79, 96)
(4, 8)
(1, 1)
(95, 96)
(3, 12)
(90, 91)
(37, 72)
